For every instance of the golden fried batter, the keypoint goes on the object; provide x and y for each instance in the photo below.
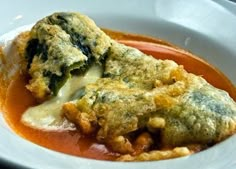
(139, 102)
(59, 44)
(187, 111)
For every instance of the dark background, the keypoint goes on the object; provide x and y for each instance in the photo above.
(7, 165)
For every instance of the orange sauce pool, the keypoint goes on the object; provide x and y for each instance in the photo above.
(18, 99)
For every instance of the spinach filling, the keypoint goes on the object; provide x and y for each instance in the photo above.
(63, 48)
(56, 82)
(34, 48)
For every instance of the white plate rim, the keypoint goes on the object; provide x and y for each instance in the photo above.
(88, 163)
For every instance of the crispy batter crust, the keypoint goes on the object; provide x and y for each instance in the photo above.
(138, 104)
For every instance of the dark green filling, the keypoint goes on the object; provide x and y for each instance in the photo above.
(56, 82)
(78, 39)
(34, 48)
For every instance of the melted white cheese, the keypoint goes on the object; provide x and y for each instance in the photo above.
(48, 115)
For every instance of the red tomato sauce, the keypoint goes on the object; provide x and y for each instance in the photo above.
(18, 99)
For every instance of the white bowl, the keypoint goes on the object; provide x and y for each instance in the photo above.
(206, 28)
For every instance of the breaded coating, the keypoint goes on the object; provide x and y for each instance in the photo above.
(59, 44)
(185, 112)
(135, 68)
(157, 155)
(138, 104)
